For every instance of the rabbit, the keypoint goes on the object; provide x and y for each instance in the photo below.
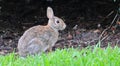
(38, 39)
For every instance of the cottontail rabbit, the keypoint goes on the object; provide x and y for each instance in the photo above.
(39, 38)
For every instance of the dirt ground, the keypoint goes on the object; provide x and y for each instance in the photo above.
(77, 38)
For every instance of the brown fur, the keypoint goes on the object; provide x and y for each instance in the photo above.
(39, 38)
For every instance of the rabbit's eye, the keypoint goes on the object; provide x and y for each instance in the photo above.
(57, 21)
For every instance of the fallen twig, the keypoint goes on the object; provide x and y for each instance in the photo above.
(103, 38)
(108, 26)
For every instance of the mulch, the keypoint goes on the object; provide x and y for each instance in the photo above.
(76, 38)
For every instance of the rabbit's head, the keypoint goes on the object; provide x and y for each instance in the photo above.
(55, 22)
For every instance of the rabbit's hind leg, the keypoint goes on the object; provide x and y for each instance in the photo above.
(22, 53)
(35, 46)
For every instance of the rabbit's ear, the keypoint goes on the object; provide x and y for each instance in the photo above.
(50, 13)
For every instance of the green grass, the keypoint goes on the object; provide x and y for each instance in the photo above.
(67, 57)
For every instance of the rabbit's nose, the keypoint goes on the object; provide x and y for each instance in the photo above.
(64, 26)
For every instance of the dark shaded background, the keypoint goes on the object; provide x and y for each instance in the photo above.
(26, 13)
